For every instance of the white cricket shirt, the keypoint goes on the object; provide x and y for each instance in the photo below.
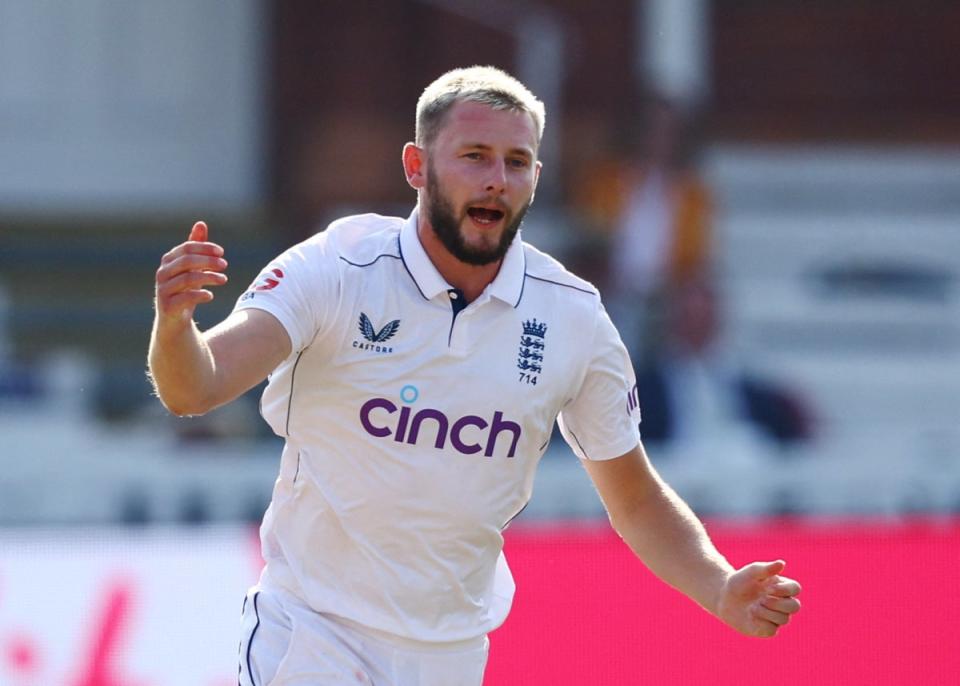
(414, 425)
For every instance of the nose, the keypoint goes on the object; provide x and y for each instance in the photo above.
(497, 179)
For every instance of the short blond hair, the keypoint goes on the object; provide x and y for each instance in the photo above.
(487, 85)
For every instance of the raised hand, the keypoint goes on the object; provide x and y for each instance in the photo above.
(184, 273)
(757, 601)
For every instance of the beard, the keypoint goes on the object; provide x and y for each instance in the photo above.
(446, 226)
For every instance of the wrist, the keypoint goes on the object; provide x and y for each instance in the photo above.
(720, 586)
(169, 327)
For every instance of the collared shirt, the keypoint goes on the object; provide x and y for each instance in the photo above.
(414, 423)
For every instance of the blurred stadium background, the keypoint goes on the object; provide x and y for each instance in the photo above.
(829, 138)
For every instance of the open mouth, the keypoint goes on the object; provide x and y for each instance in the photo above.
(484, 215)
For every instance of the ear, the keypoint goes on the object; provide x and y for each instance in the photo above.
(414, 165)
(536, 178)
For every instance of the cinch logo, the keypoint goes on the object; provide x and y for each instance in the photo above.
(468, 435)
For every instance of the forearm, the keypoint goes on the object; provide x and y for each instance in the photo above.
(666, 535)
(181, 367)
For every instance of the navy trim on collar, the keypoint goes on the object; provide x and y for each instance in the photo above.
(407, 267)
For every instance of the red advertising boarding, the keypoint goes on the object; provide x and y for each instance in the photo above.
(161, 607)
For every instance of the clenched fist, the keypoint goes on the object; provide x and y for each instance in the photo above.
(757, 601)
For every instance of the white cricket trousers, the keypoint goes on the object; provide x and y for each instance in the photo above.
(285, 643)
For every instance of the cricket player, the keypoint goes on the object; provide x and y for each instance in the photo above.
(416, 367)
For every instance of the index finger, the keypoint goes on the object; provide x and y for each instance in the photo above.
(192, 248)
(785, 588)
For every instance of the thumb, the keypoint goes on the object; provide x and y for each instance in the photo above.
(766, 570)
(199, 232)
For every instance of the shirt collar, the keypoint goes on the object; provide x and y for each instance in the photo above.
(507, 286)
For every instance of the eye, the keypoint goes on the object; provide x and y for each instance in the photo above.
(518, 163)
(473, 156)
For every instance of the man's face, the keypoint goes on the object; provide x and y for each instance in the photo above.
(481, 174)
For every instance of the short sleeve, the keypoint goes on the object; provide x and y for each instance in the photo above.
(602, 420)
(300, 288)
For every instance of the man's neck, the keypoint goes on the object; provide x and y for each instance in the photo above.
(469, 278)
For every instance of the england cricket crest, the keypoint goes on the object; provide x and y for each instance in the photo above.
(530, 355)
